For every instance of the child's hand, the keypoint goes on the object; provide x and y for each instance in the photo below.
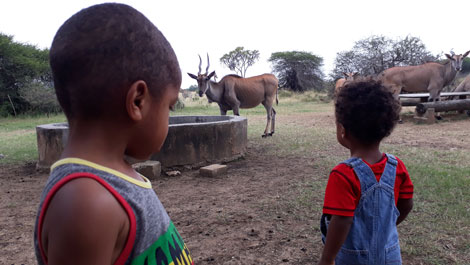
(337, 232)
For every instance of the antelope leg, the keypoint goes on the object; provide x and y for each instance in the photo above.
(273, 121)
(268, 121)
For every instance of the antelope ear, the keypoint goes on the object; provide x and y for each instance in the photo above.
(210, 75)
(355, 74)
(192, 76)
(449, 57)
(465, 54)
(345, 74)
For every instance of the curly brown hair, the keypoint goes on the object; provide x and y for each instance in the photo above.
(101, 50)
(367, 110)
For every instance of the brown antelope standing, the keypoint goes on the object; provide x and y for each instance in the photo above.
(428, 77)
(233, 92)
(347, 77)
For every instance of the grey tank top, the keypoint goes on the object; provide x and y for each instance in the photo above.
(152, 239)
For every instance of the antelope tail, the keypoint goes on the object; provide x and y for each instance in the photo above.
(277, 90)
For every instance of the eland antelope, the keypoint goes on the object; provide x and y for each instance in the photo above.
(233, 92)
(428, 77)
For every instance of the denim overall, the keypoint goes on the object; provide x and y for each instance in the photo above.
(373, 236)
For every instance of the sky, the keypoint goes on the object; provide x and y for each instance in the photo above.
(323, 28)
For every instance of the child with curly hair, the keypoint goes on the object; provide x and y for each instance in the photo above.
(369, 194)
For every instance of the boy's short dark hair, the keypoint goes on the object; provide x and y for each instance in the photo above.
(101, 50)
(367, 110)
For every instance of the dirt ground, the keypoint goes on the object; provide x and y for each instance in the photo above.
(241, 218)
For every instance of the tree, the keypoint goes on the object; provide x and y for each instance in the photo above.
(20, 66)
(239, 60)
(372, 55)
(298, 71)
(193, 88)
(40, 96)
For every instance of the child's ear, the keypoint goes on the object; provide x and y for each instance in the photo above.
(137, 100)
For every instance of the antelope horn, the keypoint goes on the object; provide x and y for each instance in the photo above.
(208, 64)
(452, 53)
(200, 63)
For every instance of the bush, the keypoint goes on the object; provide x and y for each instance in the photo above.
(311, 96)
(179, 104)
(5, 109)
(40, 96)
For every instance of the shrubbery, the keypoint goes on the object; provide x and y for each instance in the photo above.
(25, 79)
(40, 96)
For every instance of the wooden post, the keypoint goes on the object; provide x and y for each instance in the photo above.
(462, 97)
(407, 102)
(429, 116)
(438, 106)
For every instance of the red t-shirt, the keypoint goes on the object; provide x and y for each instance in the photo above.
(343, 190)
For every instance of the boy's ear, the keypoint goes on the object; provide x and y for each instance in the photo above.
(137, 100)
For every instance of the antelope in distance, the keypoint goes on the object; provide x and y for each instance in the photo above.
(464, 85)
(347, 77)
(428, 77)
(233, 92)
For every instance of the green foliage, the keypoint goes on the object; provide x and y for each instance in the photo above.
(40, 96)
(465, 66)
(193, 88)
(298, 71)
(20, 64)
(372, 55)
(239, 60)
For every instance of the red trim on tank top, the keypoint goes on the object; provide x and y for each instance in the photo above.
(130, 213)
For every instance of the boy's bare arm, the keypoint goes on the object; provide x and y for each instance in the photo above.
(338, 230)
(404, 206)
(84, 224)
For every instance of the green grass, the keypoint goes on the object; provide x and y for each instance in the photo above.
(438, 229)
(18, 137)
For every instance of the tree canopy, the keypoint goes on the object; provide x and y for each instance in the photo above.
(298, 71)
(465, 66)
(239, 60)
(22, 66)
(372, 55)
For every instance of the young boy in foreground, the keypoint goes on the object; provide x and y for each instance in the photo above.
(368, 195)
(116, 78)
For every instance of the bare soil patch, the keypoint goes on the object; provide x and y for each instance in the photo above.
(248, 216)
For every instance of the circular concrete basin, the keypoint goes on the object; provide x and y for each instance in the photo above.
(199, 140)
(191, 140)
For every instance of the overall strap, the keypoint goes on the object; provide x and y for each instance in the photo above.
(390, 171)
(363, 172)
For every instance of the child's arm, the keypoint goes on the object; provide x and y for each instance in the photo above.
(338, 230)
(404, 206)
(84, 224)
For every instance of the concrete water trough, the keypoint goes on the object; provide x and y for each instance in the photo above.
(191, 140)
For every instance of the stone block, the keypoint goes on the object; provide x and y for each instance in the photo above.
(149, 169)
(213, 170)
